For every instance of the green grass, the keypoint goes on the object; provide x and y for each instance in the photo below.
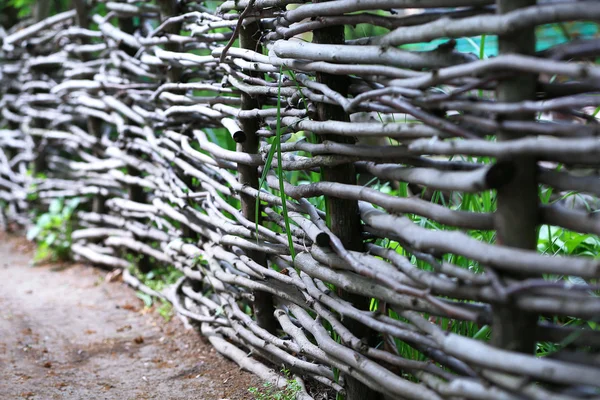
(276, 148)
(552, 240)
(157, 279)
(271, 392)
(52, 231)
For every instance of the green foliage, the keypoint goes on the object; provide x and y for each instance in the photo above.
(157, 280)
(165, 310)
(52, 231)
(552, 240)
(271, 392)
(221, 137)
(31, 194)
(146, 298)
(24, 7)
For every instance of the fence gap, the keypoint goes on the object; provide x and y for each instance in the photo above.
(343, 215)
(263, 302)
(516, 217)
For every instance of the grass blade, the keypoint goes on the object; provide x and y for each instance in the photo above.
(276, 147)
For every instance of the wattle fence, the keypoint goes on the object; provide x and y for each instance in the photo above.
(403, 194)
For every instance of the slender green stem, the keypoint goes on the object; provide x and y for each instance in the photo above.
(276, 147)
(282, 193)
(481, 56)
(482, 47)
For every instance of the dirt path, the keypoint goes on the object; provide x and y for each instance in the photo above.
(66, 334)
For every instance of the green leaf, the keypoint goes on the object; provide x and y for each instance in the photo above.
(575, 241)
(42, 253)
(56, 220)
(50, 239)
(70, 207)
(146, 298)
(165, 310)
(32, 196)
(55, 206)
(33, 232)
(276, 148)
(482, 333)
(44, 221)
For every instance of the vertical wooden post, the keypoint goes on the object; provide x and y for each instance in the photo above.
(41, 11)
(516, 217)
(94, 125)
(263, 302)
(82, 8)
(170, 8)
(343, 216)
(136, 192)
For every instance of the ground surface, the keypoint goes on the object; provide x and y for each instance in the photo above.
(67, 334)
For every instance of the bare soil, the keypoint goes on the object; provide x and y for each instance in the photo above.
(65, 333)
